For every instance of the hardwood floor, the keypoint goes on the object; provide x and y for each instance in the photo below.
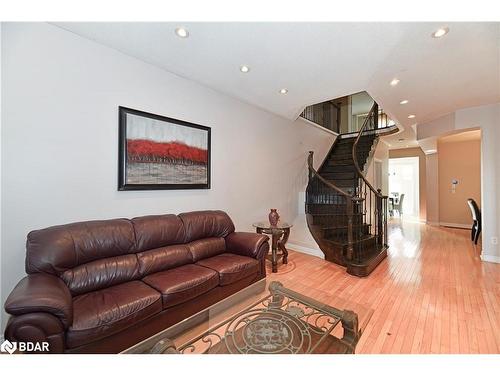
(432, 294)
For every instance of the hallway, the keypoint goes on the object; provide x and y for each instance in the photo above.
(431, 295)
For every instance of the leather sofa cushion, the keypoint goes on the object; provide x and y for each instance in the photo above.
(183, 283)
(158, 231)
(104, 312)
(205, 224)
(59, 248)
(206, 247)
(163, 259)
(101, 274)
(231, 267)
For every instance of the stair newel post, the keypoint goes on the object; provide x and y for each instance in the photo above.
(310, 160)
(385, 221)
(379, 215)
(350, 236)
(375, 114)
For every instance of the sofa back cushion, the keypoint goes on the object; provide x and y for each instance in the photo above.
(98, 254)
(59, 248)
(101, 273)
(155, 231)
(206, 224)
(207, 247)
(163, 258)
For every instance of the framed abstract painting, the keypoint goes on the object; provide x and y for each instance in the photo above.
(161, 153)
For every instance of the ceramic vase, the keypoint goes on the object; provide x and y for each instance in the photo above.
(273, 217)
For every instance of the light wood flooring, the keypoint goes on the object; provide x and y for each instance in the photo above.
(432, 294)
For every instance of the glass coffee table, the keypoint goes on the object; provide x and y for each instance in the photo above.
(265, 318)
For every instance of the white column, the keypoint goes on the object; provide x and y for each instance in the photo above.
(490, 191)
(432, 188)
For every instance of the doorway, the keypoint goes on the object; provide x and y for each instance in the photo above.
(404, 187)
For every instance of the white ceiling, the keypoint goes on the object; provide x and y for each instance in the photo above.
(321, 61)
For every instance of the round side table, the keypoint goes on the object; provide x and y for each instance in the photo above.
(279, 235)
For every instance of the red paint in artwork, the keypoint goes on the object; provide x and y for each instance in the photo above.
(141, 150)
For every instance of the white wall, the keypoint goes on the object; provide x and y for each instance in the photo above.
(440, 125)
(300, 237)
(60, 141)
(488, 119)
(382, 155)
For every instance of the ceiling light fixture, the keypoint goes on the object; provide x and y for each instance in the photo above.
(181, 32)
(440, 32)
(411, 116)
(283, 91)
(404, 101)
(394, 82)
(244, 69)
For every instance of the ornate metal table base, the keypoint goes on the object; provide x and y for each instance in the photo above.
(279, 237)
(284, 322)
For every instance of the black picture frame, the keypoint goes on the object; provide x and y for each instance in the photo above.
(125, 166)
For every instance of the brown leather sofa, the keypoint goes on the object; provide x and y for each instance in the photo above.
(102, 286)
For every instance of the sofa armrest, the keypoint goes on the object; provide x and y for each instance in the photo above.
(41, 293)
(249, 244)
(39, 328)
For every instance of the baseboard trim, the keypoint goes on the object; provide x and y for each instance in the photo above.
(490, 258)
(455, 225)
(305, 250)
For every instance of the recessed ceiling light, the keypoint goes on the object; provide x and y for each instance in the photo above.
(283, 91)
(433, 151)
(411, 116)
(440, 32)
(403, 101)
(394, 82)
(244, 69)
(181, 32)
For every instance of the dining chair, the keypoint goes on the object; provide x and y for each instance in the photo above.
(476, 220)
(398, 206)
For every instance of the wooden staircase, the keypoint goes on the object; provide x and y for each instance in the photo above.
(345, 214)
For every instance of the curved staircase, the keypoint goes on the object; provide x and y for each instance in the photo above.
(346, 215)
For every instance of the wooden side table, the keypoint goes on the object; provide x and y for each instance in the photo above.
(279, 236)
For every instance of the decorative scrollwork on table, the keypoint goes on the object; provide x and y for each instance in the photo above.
(279, 323)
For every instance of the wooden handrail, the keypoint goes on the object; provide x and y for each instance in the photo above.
(326, 182)
(373, 112)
